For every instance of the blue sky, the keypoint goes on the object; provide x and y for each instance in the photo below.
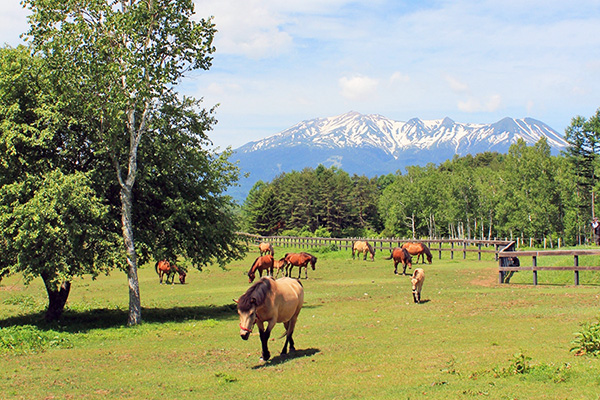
(282, 62)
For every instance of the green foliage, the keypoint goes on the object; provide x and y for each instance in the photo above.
(587, 340)
(29, 339)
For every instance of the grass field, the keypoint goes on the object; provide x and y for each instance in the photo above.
(359, 336)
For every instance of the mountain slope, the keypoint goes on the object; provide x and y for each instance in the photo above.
(374, 145)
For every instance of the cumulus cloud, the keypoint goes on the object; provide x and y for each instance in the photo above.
(472, 105)
(357, 87)
(250, 28)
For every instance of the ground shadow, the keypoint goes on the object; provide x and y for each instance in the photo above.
(83, 321)
(283, 358)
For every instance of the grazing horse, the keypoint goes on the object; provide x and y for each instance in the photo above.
(271, 301)
(279, 265)
(300, 260)
(261, 264)
(266, 248)
(363, 247)
(164, 267)
(418, 277)
(418, 249)
(400, 255)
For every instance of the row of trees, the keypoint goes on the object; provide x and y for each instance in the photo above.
(527, 192)
(104, 165)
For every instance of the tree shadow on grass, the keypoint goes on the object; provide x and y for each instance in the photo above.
(83, 321)
(283, 358)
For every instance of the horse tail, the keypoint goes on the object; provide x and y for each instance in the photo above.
(156, 267)
(390, 257)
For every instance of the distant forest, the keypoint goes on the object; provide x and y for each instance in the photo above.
(525, 193)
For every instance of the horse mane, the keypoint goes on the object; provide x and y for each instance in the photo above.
(427, 251)
(370, 247)
(255, 296)
(253, 264)
(407, 255)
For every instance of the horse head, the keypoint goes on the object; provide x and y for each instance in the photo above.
(247, 321)
(182, 276)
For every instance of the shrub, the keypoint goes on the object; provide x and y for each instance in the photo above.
(587, 340)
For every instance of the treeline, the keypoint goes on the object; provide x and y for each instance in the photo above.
(526, 193)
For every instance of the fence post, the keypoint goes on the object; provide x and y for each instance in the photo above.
(535, 278)
(479, 253)
(452, 250)
(464, 250)
(576, 264)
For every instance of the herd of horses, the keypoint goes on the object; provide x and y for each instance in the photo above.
(273, 301)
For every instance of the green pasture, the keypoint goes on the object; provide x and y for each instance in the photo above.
(359, 336)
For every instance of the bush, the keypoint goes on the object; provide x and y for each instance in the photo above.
(587, 340)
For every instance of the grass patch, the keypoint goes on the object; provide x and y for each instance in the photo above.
(358, 336)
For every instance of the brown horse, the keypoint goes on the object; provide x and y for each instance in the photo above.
(266, 248)
(418, 249)
(279, 265)
(400, 255)
(300, 260)
(363, 247)
(169, 269)
(418, 277)
(261, 264)
(271, 301)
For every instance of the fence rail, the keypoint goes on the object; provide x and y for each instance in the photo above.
(440, 246)
(507, 265)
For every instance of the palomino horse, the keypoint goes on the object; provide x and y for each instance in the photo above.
(418, 249)
(266, 248)
(300, 260)
(261, 264)
(271, 301)
(167, 268)
(363, 247)
(400, 255)
(418, 277)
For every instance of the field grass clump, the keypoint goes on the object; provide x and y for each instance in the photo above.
(30, 339)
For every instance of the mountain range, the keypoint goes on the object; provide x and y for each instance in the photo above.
(373, 145)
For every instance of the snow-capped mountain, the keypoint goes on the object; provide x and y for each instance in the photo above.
(375, 145)
(355, 130)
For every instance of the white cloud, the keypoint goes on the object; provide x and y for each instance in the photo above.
(456, 85)
(399, 77)
(357, 87)
(473, 105)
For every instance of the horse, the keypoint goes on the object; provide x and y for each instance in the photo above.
(418, 249)
(266, 248)
(300, 260)
(418, 277)
(279, 265)
(164, 267)
(261, 263)
(271, 301)
(400, 255)
(363, 247)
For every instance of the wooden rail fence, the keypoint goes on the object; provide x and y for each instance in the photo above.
(509, 262)
(439, 246)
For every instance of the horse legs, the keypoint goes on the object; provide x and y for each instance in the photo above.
(417, 296)
(404, 270)
(396, 267)
(289, 331)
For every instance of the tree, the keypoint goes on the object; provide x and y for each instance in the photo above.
(121, 60)
(53, 220)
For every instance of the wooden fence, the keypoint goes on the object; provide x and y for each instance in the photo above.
(509, 262)
(439, 246)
